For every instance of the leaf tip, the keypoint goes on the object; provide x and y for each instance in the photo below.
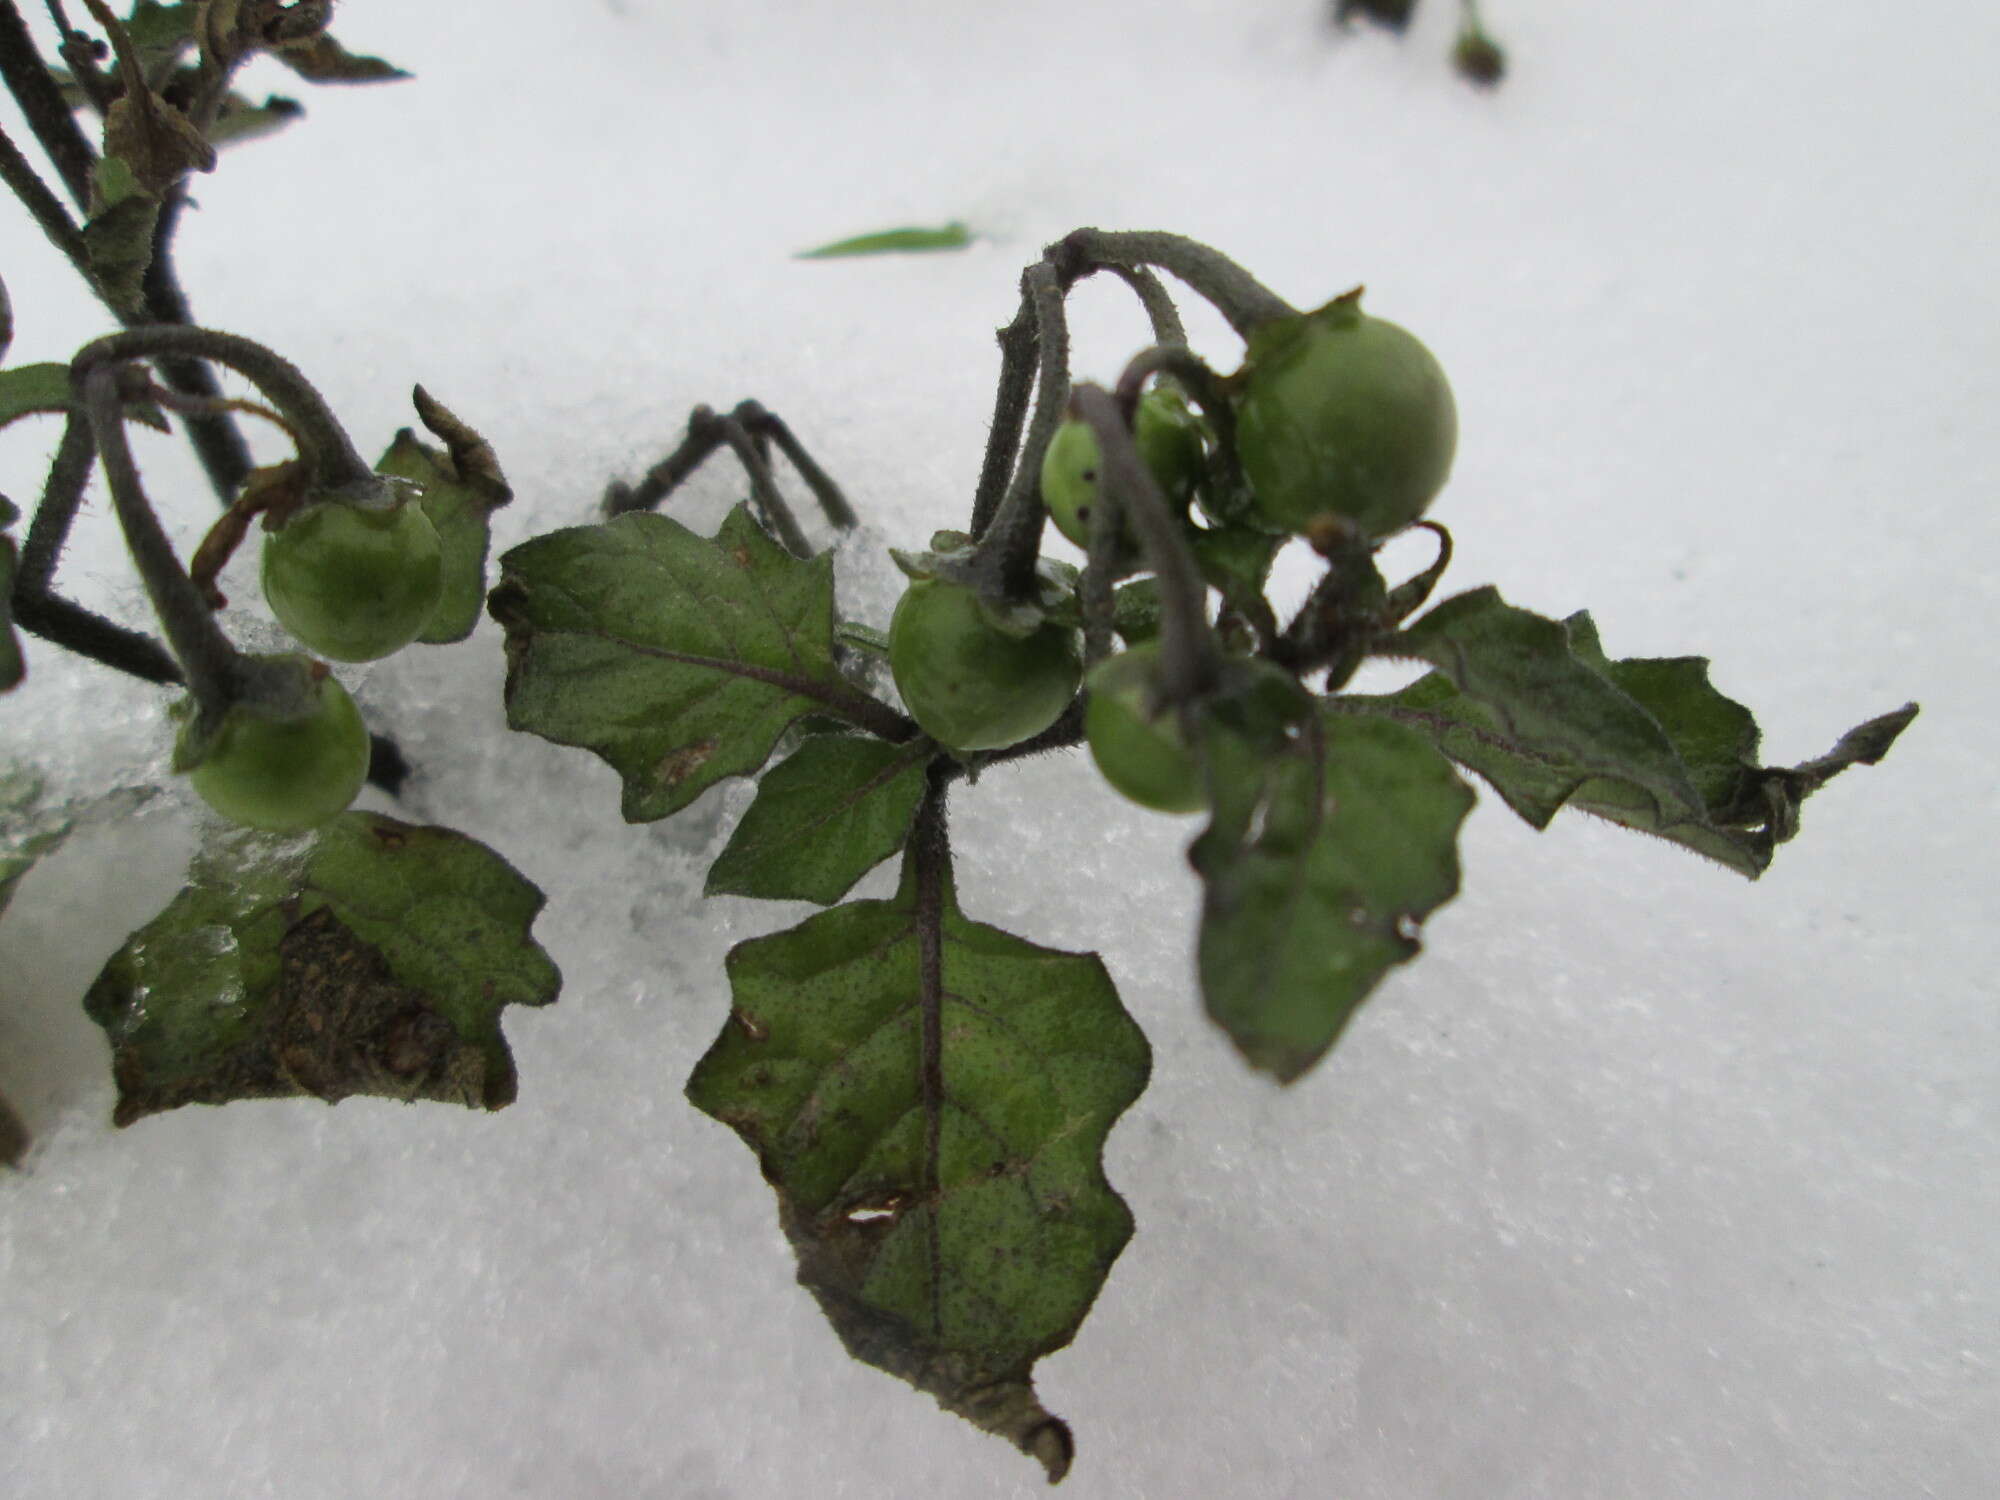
(1053, 1447)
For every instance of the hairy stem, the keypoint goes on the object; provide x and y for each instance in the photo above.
(1160, 309)
(777, 513)
(832, 502)
(91, 636)
(1009, 546)
(40, 98)
(1189, 660)
(208, 659)
(215, 437)
(1242, 299)
(328, 451)
(61, 496)
(1019, 343)
(45, 207)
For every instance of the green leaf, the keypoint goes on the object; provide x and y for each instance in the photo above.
(118, 235)
(461, 512)
(240, 120)
(1512, 701)
(1320, 862)
(1135, 611)
(864, 640)
(829, 813)
(27, 390)
(1541, 713)
(952, 236)
(678, 659)
(929, 1097)
(160, 34)
(43, 389)
(370, 957)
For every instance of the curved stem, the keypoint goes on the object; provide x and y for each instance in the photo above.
(1007, 549)
(1189, 660)
(1020, 341)
(1245, 301)
(1160, 309)
(206, 656)
(61, 496)
(326, 448)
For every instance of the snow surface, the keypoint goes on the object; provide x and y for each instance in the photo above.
(1641, 1182)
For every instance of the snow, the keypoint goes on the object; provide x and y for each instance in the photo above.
(1640, 1182)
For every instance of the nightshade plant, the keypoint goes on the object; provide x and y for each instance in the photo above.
(928, 1094)
(355, 954)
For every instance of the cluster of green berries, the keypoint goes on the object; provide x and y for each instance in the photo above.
(353, 581)
(1340, 419)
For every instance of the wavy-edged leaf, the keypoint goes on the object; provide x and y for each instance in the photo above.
(1320, 863)
(826, 815)
(929, 1097)
(118, 235)
(369, 957)
(1513, 702)
(952, 236)
(1541, 713)
(679, 659)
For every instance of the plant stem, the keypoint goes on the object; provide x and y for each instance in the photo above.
(216, 439)
(1020, 341)
(832, 502)
(1009, 545)
(61, 495)
(74, 628)
(48, 115)
(328, 451)
(1245, 301)
(770, 500)
(217, 442)
(77, 53)
(1160, 309)
(25, 183)
(1065, 734)
(1189, 661)
(206, 656)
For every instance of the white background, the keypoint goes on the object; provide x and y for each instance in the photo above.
(1642, 1181)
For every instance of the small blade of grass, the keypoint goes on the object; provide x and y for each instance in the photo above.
(952, 236)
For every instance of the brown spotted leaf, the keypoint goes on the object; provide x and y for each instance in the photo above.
(369, 957)
(929, 1097)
